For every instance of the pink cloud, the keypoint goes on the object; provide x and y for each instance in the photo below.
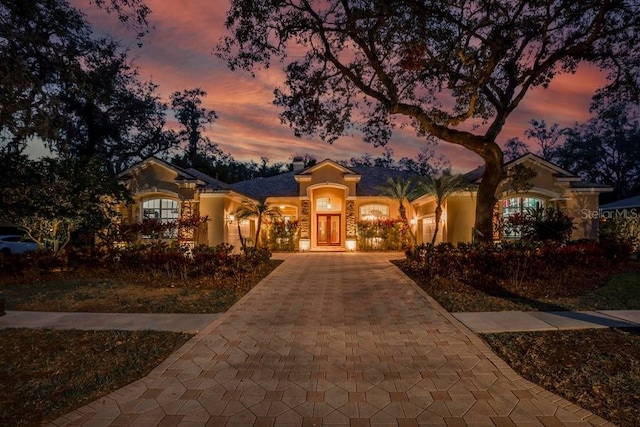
(177, 54)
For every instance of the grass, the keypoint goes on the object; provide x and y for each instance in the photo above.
(111, 292)
(620, 292)
(598, 369)
(614, 290)
(45, 374)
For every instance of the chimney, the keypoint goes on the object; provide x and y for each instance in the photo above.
(298, 163)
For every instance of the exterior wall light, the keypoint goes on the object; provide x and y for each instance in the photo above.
(305, 245)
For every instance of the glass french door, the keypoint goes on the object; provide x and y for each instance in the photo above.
(328, 230)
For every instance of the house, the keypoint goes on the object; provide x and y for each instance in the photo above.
(329, 202)
(625, 208)
(621, 220)
(547, 185)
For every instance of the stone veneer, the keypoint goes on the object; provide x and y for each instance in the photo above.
(304, 219)
(351, 219)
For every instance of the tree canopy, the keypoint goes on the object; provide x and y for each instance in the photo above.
(78, 93)
(606, 149)
(193, 117)
(369, 66)
(50, 199)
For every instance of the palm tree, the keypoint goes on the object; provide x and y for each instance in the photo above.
(258, 209)
(442, 188)
(401, 189)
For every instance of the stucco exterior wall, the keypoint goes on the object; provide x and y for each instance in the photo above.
(583, 208)
(214, 206)
(460, 211)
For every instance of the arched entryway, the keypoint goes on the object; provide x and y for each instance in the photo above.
(328, 217)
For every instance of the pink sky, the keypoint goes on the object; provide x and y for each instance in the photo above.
(177, 54)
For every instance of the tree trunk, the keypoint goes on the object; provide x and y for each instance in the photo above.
(491, 153)
(438, 217)
(258, 226)
(242, 243)
(405, 224)
(486, 198)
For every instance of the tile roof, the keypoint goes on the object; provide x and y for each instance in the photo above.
(284, 185)
(375, 176)
(210, 182)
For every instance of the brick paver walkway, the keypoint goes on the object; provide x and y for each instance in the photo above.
(333, 339)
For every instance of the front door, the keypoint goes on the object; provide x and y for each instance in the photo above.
(329, 230)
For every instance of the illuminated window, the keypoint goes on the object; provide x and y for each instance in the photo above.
(518, 205)
(289, 213)
(163, 211)
(327, 204)
(374, 211)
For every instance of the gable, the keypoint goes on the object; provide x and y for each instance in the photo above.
(539, 164)
(155, 173)
(327, 171)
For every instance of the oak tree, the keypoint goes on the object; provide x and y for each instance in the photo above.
(77, 93)
(52, 198)
(454, 69)
(606, 149)
(188, 109)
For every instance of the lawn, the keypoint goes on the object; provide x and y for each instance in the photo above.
(108, 291)
(54, 372)
(598, 369)
(618, 289)
(46, 373)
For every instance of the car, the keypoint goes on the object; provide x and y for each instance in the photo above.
(15, 244)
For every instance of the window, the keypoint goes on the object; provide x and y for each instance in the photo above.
(163, 211)
(289, 213)
(518, 205)
(374, 211)
(327, 204)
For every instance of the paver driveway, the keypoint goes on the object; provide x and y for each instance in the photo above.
(333, 339)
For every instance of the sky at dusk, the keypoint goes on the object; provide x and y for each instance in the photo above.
(178, 54)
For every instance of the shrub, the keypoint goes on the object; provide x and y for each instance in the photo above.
(512, 266)
(281, 235)
(540, 225)
(621, 234)
(381, 235)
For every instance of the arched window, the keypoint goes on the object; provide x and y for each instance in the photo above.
(373, 211)
(515, 205)
(518, 205)
(164, 211)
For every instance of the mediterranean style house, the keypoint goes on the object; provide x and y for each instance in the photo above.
(329, 202)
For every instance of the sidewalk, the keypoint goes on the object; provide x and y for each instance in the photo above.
(187, 323)
(333, 339)
(523, 321)
(478, 322)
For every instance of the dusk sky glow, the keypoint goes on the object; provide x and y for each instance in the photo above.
(178, 54)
